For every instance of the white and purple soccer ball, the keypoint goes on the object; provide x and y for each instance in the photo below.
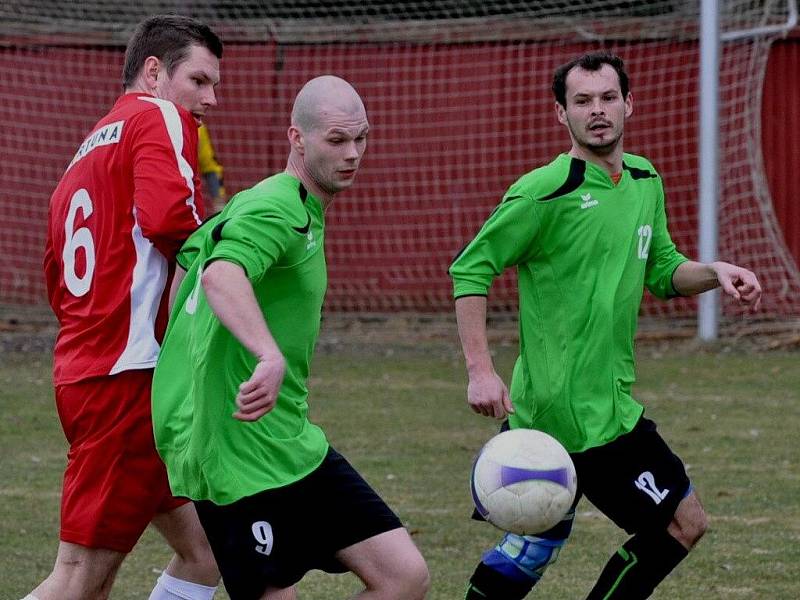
(523, 481)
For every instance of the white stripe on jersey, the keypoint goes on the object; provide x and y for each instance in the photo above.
(175, 131)
(147, 288)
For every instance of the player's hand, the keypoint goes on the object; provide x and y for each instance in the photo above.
(257, 395)
(739, 283)
(487, 395)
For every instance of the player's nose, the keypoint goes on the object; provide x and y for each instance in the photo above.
(351, 151)
(210, 98)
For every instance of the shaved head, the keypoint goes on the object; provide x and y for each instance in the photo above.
(327, 137)
(323, 97)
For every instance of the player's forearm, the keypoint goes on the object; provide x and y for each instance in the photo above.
(471, 318)
(231, 297)
(691, 278)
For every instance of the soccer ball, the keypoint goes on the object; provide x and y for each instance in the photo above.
(523, 481)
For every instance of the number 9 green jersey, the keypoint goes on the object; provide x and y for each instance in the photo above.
(275, 232)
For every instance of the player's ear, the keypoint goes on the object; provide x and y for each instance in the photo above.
(561, 113)
(296, 139)
(150, 71)
(628, 105)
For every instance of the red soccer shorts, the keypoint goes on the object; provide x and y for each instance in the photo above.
(115, 482)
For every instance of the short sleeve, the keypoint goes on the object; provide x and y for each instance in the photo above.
(253, 241)
(192, 248)
(505, 239)
(663, 257)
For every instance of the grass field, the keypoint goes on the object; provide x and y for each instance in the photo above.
(400, 417)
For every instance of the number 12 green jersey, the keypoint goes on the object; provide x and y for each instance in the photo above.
(584, 249)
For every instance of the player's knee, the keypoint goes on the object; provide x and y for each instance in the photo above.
(193, 554)
(693, 528)
(688, 532)
(414, 581)
(407, 579)
(690, 523)
(198, 557)
(420, 577)
(77, 578)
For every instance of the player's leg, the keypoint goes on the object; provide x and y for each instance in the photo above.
(690, 521)
(644, 489)
(114, 484)
(389, 565)
(511, 569)
(192, 573)
(364, 535)
(649, 556)
(79, 573)
(259, 543)
(266, 542)
(96, 529)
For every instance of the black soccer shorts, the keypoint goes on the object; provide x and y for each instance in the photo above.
(636, 480)
(274, 537)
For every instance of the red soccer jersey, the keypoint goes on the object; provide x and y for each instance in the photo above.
(121, 211)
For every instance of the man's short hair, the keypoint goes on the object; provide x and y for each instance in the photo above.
(592, 61)
(168, 38)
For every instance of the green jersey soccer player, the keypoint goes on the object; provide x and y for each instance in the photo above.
(586, 233)
(230, 407)
(275, 233)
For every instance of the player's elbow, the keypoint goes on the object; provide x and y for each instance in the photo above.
(212, 278)
(221, 278)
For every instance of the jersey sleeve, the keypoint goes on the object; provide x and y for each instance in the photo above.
(166, 183)
(663, 257)
(255, 242)
(193, 246)
(505, 239)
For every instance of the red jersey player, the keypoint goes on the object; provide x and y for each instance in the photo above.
(127, 201)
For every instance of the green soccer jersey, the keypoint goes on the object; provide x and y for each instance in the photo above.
(275, 232)
(584, 249)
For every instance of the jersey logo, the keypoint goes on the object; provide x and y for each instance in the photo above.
(262, 531)
(108, 134)
(304, 230)
(647, 484)
(587, 201)
(194, 295)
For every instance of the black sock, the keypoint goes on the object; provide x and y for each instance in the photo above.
(488, 584)
(638, 567)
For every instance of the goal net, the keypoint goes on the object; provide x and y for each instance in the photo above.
(458, 98)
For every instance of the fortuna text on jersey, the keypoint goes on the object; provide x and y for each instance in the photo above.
(109, 134)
